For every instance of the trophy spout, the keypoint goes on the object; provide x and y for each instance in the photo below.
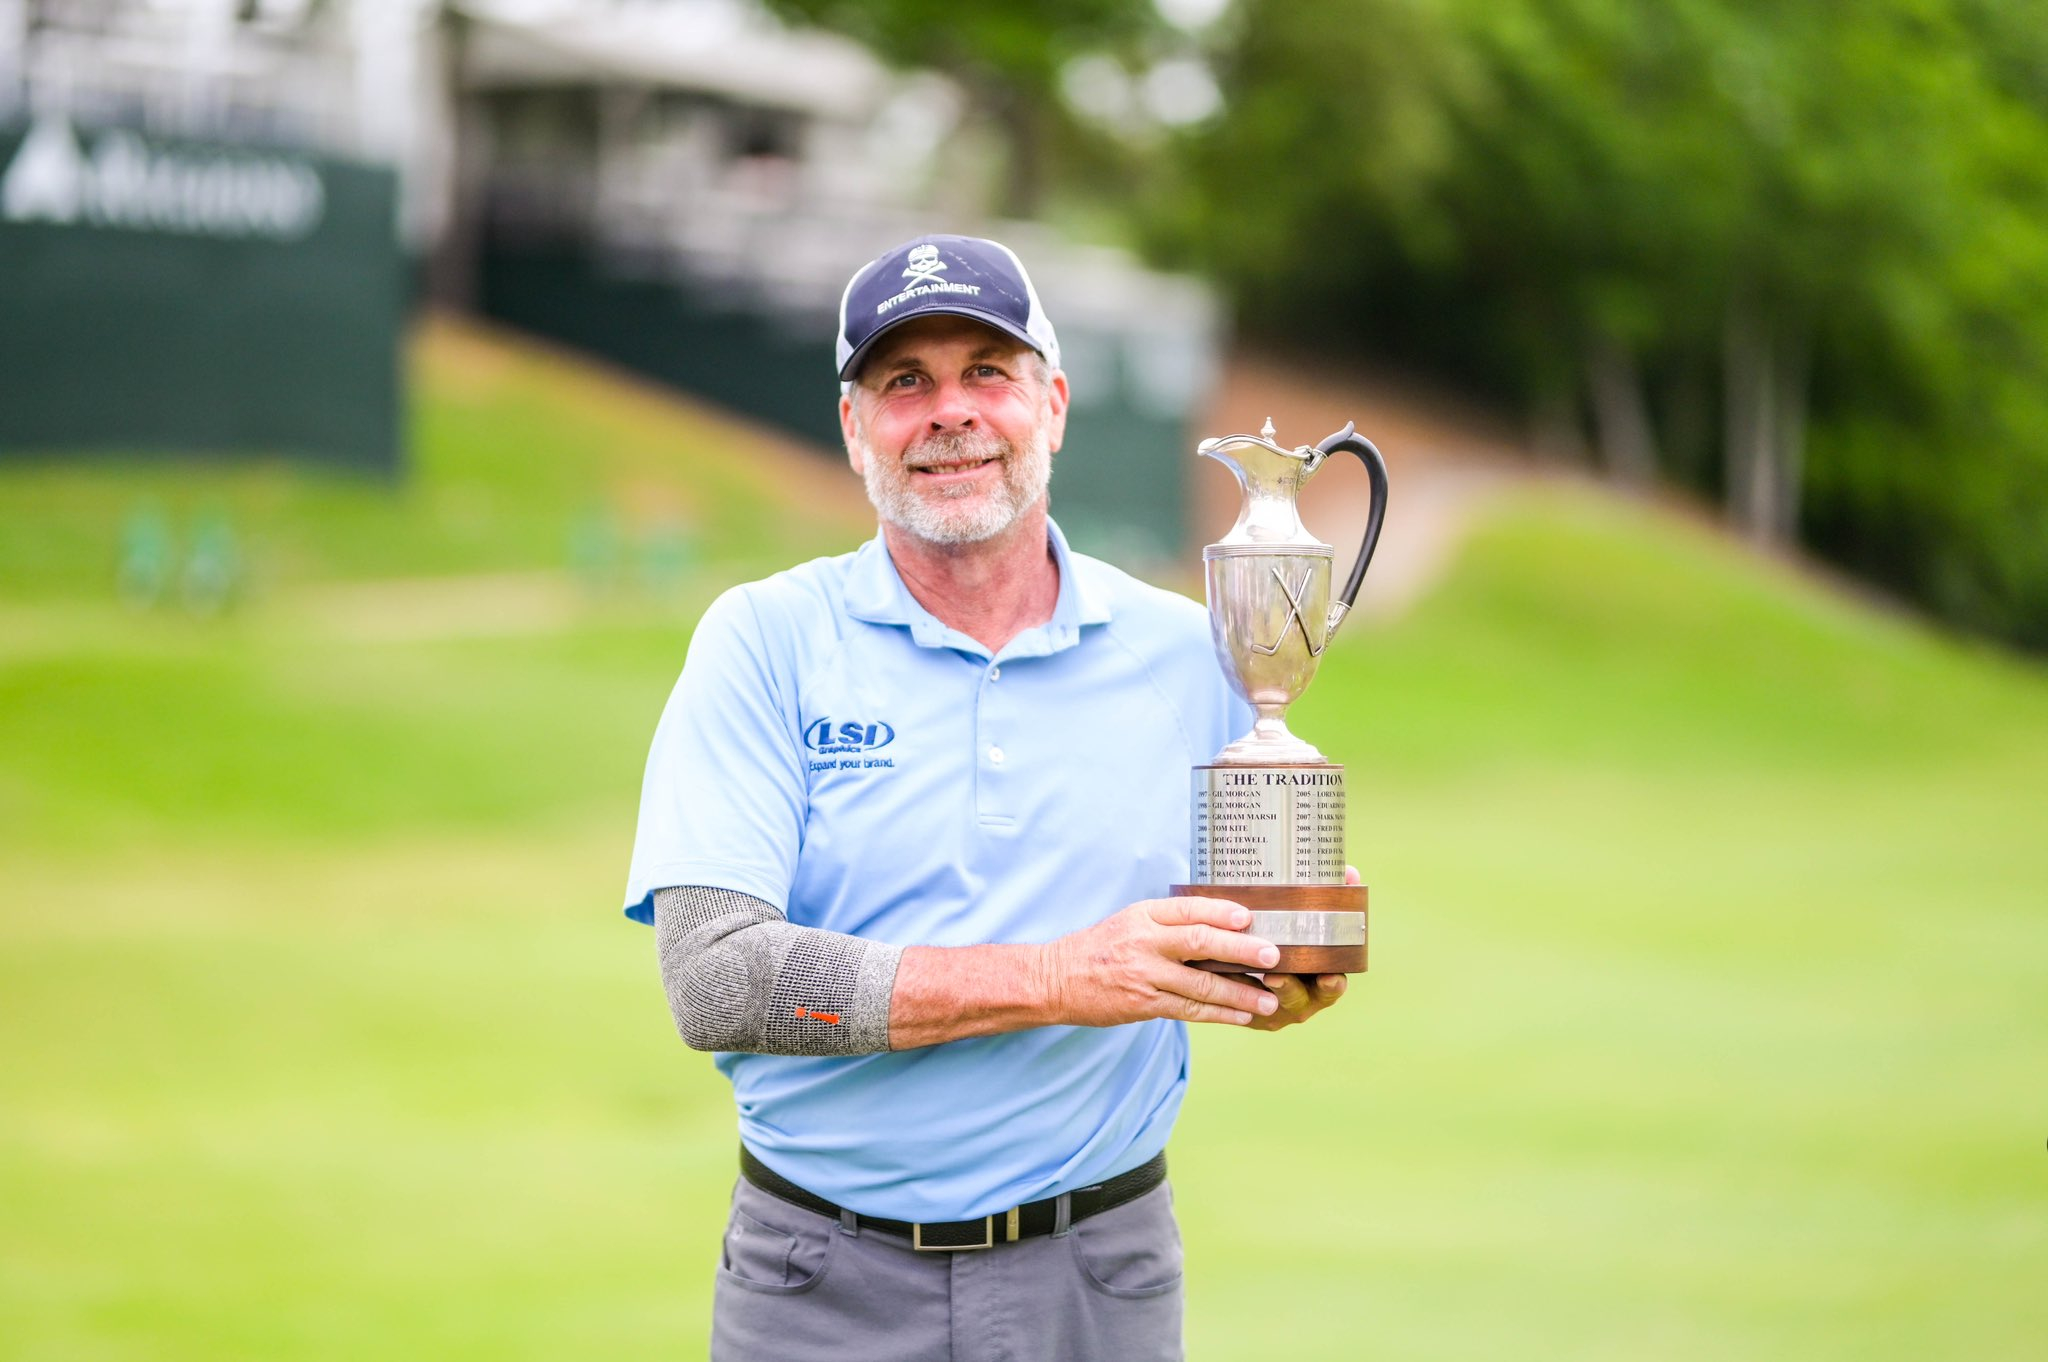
(1270, 477)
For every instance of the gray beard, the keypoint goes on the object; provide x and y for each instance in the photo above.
(1026, 475)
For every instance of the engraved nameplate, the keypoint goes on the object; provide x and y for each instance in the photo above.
(1268, 825)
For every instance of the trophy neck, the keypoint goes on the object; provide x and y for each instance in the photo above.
(1270, 744)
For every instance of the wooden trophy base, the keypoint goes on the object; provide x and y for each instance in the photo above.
(1296, 957)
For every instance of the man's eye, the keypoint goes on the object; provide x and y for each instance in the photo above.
(987, 371)
(903, 381)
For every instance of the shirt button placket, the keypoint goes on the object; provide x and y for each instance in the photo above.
(992, 760)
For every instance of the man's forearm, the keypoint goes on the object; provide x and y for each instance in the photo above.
(740, 978)
(1129, 967)
(953, 992)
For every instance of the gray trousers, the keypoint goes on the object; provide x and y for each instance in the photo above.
(794, 1285)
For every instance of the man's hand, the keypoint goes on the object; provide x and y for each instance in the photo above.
(1132, 966)
(1303, 995)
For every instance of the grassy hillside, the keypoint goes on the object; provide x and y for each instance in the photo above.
(517, 459)
(1706, 1017)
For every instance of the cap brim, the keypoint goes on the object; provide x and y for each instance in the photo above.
(1002, 324)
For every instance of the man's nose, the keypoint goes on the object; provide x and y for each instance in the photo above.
(953, 408)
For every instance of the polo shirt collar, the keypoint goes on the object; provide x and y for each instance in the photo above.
(875, 593)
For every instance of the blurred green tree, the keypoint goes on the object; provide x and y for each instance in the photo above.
(1008, 59)
(1834, 217)
(1793, 255)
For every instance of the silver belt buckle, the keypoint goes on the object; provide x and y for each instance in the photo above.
(988, 1235)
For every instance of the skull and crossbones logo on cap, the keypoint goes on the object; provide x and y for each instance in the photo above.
(924, 264)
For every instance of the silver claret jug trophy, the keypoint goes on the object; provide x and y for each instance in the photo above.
(1269, 808)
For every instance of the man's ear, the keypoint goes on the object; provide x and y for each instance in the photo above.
(849, 431)
(1056, 404)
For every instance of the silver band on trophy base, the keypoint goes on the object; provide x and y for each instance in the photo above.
(1268, 812)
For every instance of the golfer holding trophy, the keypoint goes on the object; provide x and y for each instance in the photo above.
(900, 886)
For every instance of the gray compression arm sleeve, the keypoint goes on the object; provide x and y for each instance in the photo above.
(741, 978)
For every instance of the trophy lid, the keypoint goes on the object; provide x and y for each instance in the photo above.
(1214, 445)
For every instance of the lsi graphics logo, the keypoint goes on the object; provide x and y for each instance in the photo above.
(852, 735)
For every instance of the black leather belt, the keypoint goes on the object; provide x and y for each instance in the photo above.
(1024, 1222)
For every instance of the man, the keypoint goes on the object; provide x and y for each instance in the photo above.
(905, 820)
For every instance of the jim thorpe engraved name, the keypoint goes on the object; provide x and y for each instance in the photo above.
(1268, 825)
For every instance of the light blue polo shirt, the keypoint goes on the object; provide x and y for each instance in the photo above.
(833, 749)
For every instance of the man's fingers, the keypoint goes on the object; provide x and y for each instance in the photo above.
(1203, 942)
(1190, 910)
(1229, 991)
(1210, 1012)
(1290, 990)
(1351, 875)
(1300, 997)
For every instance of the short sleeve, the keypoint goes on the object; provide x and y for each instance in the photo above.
(722, 803)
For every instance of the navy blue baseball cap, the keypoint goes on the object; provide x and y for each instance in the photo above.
(959, 276)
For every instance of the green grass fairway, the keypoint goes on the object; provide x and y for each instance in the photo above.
(1708, 1016)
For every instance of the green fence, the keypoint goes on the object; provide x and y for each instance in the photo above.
(165, 295)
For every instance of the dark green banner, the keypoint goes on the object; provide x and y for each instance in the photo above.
(175, 296)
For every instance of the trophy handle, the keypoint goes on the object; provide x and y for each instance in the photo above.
(1376, 470)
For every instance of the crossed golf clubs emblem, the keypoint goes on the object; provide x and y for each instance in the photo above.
(1294, 617)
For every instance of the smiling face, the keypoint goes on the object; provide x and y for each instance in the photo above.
(953, 425)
